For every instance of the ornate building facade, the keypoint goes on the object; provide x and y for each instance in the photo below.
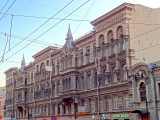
(92, 71)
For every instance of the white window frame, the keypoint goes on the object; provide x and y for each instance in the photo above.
(115, 103)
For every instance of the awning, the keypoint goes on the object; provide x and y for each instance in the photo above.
(141, 111)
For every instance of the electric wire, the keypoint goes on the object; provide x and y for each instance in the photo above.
(39, 17)
(4, 6)
(85, 16)
(48, 29)
(30, 39)
(52, 8)
(41, 25)
(8, 9)
(4, 50)
(10, 31)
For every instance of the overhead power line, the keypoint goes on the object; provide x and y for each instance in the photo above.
(52, 8)
(41, 25)
(4, 6)
(84, 16)
(39, 17)
(8, 9)
(48, 29)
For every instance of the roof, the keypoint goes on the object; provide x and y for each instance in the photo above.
(112, 12)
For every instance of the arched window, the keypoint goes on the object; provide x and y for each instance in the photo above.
(142, 89)
(37, 68)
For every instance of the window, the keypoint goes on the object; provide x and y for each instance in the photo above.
(89, 106)
(58, 88)
(96, 104)
(159, 90)
(76, 82)
(53, 109)
(69, 108)
(125, 101)
(95, 80)
(105, 103)
(113, 47)
(123, 44)
(115, 76)
(48, 109)
(143, 91)
(88, 54)
(115, 102)
(76, 62)
(53, 89)
(59, 109)
(82, 58)
(89, 82)
(104, 51)
(53, 69)
(64, 109)
(82, 82)
(0, 104)
(82, 102)
(58, 68)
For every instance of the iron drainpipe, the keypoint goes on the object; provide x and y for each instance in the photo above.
(155, 95)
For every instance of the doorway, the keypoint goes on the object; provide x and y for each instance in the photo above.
(144, 117)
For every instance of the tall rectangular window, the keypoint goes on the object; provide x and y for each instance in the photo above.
(82, 83)
(76, 62)
(125, 101)
(82, 58)
(115, 102)
(96, 104)
(76, 82)
(105, 103)
(89, 106)
(159, 90)
(59, 109)
(53, 109)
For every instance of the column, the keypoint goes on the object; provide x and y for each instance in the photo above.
(126, 37)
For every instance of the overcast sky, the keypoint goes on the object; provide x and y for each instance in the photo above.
(23, 26)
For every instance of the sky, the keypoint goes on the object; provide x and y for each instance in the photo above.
(41, 10)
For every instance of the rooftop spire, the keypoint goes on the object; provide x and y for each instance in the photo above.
(23, 65)
(69, 34)
(69, 39)
(23, 61)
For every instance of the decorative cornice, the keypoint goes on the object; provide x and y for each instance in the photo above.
(113, 12)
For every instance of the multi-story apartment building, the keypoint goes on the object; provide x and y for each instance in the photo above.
(2, 101)
(94, 71)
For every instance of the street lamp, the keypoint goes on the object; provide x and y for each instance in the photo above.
(142, 89)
